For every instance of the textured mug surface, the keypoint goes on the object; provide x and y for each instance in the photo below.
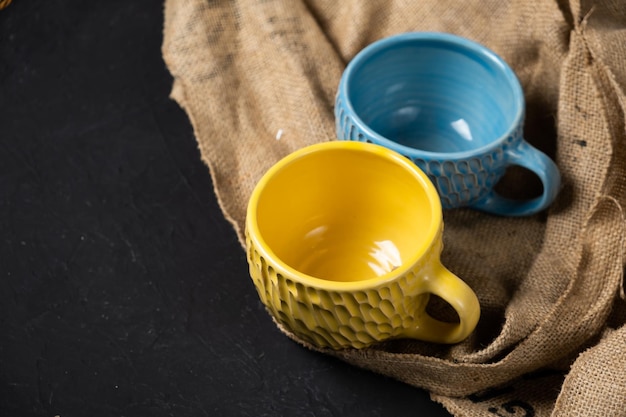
(453, 107)
(343, 244)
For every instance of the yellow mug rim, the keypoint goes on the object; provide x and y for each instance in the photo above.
(281, 267)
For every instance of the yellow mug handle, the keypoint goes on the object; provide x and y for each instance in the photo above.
(452, 289)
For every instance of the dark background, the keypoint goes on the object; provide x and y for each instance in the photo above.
(123, 291)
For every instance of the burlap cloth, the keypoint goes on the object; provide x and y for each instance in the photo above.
(258, 80)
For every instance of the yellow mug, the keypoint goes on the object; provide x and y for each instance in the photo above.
(343, 243)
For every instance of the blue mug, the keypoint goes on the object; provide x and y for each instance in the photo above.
(453, 107)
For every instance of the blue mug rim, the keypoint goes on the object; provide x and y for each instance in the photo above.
(447, 39)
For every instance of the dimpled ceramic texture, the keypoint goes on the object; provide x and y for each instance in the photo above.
(450, 105)
(339, 319)
(343, 242)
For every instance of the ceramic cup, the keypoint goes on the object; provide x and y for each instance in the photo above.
(343, 243)
(453, 107)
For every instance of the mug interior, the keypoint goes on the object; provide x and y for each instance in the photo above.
(345, 214)
(434, 94)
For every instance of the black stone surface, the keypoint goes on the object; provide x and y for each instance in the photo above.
(123, 291)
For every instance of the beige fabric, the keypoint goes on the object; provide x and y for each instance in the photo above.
(258, 79)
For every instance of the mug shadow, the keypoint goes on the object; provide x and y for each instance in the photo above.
(493, 255)
(520, 183)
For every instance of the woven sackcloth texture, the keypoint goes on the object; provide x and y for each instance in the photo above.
(257, 79)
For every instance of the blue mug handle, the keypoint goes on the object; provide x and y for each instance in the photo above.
(531, 158)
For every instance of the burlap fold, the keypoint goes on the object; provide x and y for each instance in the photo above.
(258, 79)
